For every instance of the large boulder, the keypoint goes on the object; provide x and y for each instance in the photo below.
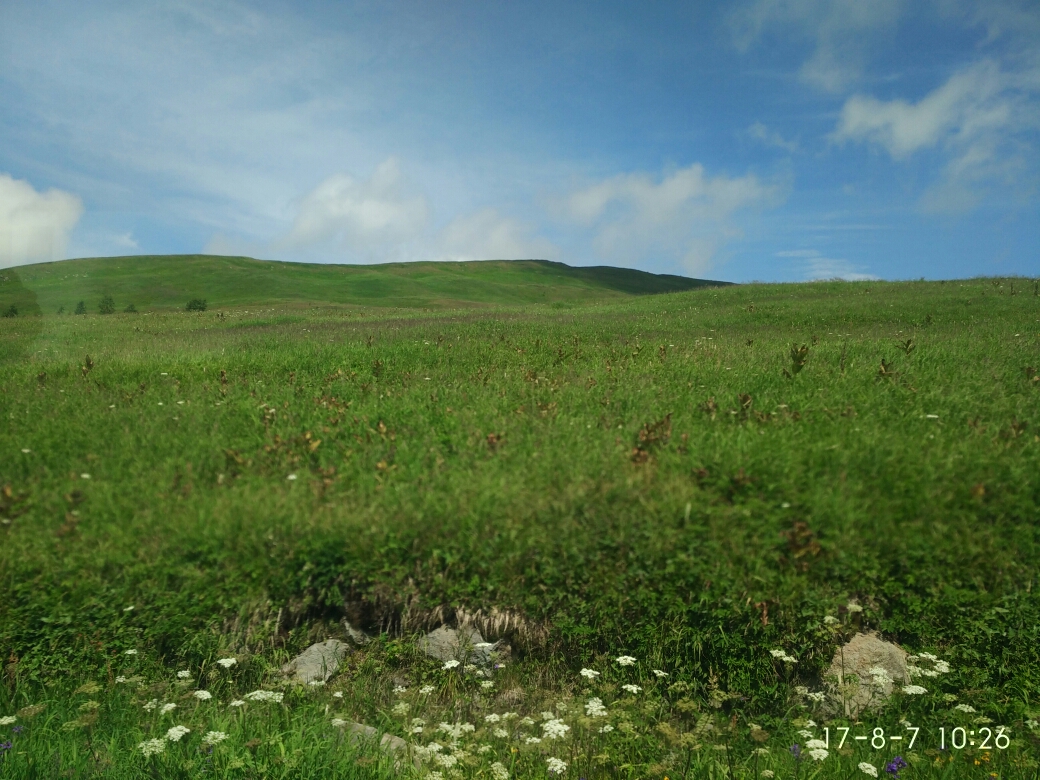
(464, 645)
(863, 674)
(318, 662)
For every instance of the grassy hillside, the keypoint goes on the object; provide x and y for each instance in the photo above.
(694, 480)
(169, 281)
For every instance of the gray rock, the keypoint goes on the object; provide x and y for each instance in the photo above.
(464, 645)
(318, 662)
(395, 747)
(864, 673)
(357, 636)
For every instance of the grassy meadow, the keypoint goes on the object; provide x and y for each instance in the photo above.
(690, 480)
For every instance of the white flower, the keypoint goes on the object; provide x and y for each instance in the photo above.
(426, 690)
(446, 760)
(291, 477)
(7, 720)
(129, 652)
(470, 668)
(867, 769)
(120, 679)
(767, 774)
(929, 656)
(853, 607)
(632, 688)
(416, 730)
(184, 674)
(829, 620)
(236, 703)
(812, 744)
(84, 476)
(435, 775)
(805, 733)
(532, 740)
(492, 718)
(167, 708)
(590, 673)
(508, 715)
(965, 708)
(227, 663)
(1032, 724)
(556, 766)
(401, 708)
(625, 660)
(151, 705)
(317, 683)
(526, 722)
(914, 690)
(555, 729)
(484, 644)
(606, 729)
(129, 609)
(266, 696)
(337, 695)
(801, 690)
(338, 723)
(175, 734)
(659, 673)
(450, 664)
(810, 724)
(418, 722)
(499, 772)
(548, 715)
(817, 696)
(595, 709)
(500, 733)
(782, 655)
(456, 730)
(399, 689)
(942, 667)
(487, 684)
(151, 747)
(213, 737)
(203, 695)
(818, 754)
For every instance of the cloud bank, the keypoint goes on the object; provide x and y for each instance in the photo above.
(34, 226)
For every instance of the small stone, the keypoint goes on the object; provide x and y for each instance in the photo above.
(464, 645)
(854, 668)
(318, 662)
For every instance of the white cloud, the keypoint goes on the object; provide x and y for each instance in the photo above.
(360, 217)
(486, 235)
(34, 226)
(840, 30)
(817, 267)
(685, 216)
(761, 133)
(973, 118)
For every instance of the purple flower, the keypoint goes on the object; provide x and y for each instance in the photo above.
(17, 729)
(893, 766)
(5, 745)
(796, 752)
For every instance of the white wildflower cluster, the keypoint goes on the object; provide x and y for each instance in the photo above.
(399, 689)
(768, 774)
(595, 709)
(853, 607)
(546, 715)
(625, 660)
(880, 676)
(337, 695)
(487, 684)
(120, 679)
(492, 718)
(783, 656)
(500, 733)
(426, 690)
(532, 740)
(450, 664)
(455, 730)
(446, 760)
(659, 673)
(7, 720)
(129, 652)
(485, 749)
(183, 674)
(227, 663)
(632, 688)
(236, 703)
(499, 772)
(965, 708)
(152, 747)
(555, 729)
(556, 766)
(175, 733)
(914, 690)
(606, 729)
(167, 708)
(203, 695)
(317, 683)
(213, 737)
(401, 708)
(829, 620)
(867, 769)
(424, 753)
(274, 696)
(933, 668)
(591, 674)
(338, 723)
(417, 725)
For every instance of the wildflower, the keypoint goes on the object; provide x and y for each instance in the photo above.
(659, 673)
(484, 749)
(129, 609)
(399, 689)
(291, 477)
(151, 747)
(236, 703)
(867, 769)
(450, 664)
(317, 683)
(632, 688)
(401, 708)
(84, 476)
(606, 729)
(151, 705)
(591, 674)
(801, 690)
(782, 655)
(532, 740)
(914, 690)
(7, 720)
(487, 684)
(548, 715)
(595, 709)
(625, 660)
(213, 737)
(456, 730)
(265, 696)
(526, 722)
(1032, 724)
(813, 744)
(893, 766)
(203, 695)
(469, 668)
(796, 751)
(446, 760)
(805, 733)
(816, 696)
(338, 723)
(929, 656)
(167, 708)
(120, 679)
(500, 733)
(556, 766)
(810, 724)
(965, 708)
(853, 607)
(426, 690)
(337, 695)
(829, 620)
(418, 722)
(942, 667)
(129, 652)
(481, 645)
(492, 718)
(499, 772)
(768, 774)
(175, 734)
(184, 674)
(227, 663)
(555, 729)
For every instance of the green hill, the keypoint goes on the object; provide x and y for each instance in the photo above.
(169, 281)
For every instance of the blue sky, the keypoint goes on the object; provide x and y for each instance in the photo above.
(777, 140)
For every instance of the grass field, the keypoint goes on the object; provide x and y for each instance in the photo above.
(692, 479)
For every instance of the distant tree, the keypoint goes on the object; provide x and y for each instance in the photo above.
(131, 309)
(107, 305)
(11, 311)
(196, 304)
(81, 308)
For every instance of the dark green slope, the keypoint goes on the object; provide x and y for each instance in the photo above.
(169, 281)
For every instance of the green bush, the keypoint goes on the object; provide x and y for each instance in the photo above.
(196, 304)
(107, 305)
(11, 311)
(81, 308)
(131, 309)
